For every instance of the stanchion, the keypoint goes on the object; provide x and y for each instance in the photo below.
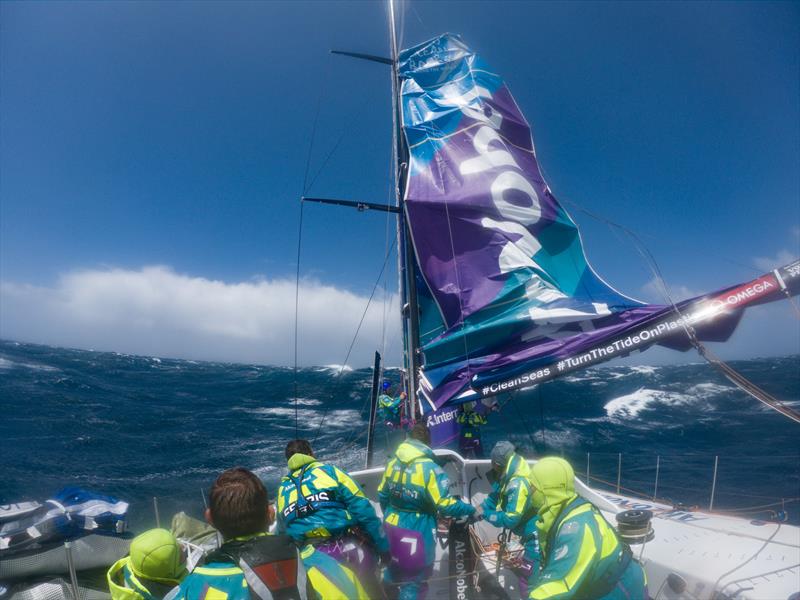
(658, 468)
(73, 576)
(155, 510)
(619, 470)
(588, 462)
(713, 484)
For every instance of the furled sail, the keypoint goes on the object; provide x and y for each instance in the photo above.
(507, 296)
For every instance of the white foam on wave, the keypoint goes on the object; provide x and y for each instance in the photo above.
(707, 390)
(336, 368)
(643, 369)
(308, 402)
(6, 364)
(630, 405)
(283, 416)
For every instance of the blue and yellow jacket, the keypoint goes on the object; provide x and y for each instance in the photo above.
(414, 490)
(388, 408)
(470, 422)
(510, 504)
(330, 503)
(582, 555)
(223, 579)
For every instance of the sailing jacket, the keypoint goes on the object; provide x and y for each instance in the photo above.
(125, 585)
(267, 567)
(582, 557)
(413, 490)
(389, 408)
(510, 504)
(317, 501)
(470, 422)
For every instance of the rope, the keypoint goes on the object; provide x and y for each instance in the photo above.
(732, 375)
(297, 312)
(352, 344)
(524, 421)
(306, 187)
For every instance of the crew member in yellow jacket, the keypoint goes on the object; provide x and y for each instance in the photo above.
(153, 567)
(582, 556)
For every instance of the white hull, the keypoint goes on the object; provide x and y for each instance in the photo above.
(714, 554)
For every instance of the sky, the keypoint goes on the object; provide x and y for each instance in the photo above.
(152, 156)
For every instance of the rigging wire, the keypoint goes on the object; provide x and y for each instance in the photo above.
(541, 418)
(296, 312)
(352, 344)
(306, 187)
(520, 414)
(727, 371)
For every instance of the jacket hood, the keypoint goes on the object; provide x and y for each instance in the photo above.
(413, 450)
(298, 461)
(157, 556)
(553, 482)
(116, 584)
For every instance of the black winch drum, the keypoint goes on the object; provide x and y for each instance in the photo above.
(633, 526)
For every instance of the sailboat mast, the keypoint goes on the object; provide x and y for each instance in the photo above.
(405, 255)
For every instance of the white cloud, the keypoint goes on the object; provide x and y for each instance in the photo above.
(654, 292)
(767, 263)
(156, 311)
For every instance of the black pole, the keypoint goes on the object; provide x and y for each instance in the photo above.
(373, 405)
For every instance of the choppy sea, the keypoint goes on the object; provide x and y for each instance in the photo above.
(144, 427)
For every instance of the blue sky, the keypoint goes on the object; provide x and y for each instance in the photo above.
(152, 155)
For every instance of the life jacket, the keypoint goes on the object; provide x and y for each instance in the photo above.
(265, 567)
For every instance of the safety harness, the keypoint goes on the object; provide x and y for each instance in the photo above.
(269, 563)
(595, 586)
(398, 492)
(308, 504)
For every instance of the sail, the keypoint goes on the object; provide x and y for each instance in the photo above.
(506, 290)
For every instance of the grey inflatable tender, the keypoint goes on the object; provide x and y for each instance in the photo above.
(88, 552)
(57, 588)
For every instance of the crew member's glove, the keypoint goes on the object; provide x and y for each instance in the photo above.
(492, 516)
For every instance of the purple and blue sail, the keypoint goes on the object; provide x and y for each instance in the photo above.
(507, 297)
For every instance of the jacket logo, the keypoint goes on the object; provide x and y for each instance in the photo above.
(310, 499)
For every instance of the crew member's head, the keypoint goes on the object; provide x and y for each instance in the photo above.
(420, 433)
(501, 453)
(553, 482)
(238, 504)
(155, 555)
(386, 386)
(298, 447)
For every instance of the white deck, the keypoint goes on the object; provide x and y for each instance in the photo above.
(743, 559)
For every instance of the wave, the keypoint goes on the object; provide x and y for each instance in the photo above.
(6, 364)
(630, 405)
(708, 390)
(339, 418)
(335, 368)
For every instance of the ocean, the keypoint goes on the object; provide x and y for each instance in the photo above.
(142, 428)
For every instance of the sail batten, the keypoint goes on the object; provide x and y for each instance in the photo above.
(504, 284)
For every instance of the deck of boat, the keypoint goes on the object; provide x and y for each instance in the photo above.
(709, 553)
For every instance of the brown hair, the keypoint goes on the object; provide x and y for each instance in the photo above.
(298, 447)
(420, 433)
(238, 503)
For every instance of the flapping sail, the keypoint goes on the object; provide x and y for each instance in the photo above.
(507, 296)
